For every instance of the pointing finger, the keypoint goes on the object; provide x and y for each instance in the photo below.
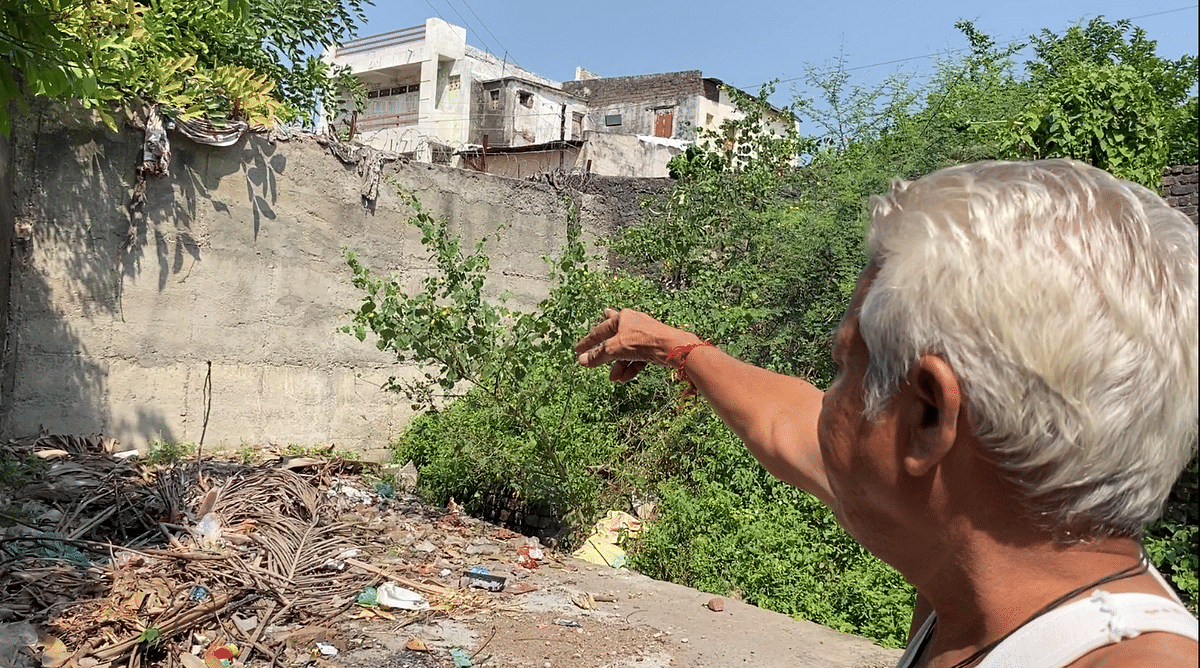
(602, 332)
(624, 371)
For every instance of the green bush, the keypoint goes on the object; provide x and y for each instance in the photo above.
(725, 525)
(474, 447)
(1172, 541)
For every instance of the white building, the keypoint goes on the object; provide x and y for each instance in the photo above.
(426, 85)
(437, 99)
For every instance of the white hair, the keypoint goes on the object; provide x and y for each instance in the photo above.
(1065, 300)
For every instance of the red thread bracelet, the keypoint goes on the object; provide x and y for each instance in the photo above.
(677, 360)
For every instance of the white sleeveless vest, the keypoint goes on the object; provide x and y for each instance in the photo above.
(1064, 635)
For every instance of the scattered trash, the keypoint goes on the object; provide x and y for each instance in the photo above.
(291, 529)
(369, 597)
(208, 530)
(344, 490)
(602, 547)
(583, 600)
(338, 563)
(716, 604)
(221, 657)
(529, 554)
(569, 623)
(395, 597)
(415, 644)
(461, 658)
(197, 595)
(482, 579)
(520, 588)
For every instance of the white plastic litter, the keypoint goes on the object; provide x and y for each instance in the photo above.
(354, 495)
(390, 595)
(208, 530)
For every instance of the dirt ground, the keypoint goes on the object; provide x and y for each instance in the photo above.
(649, 624)
(636, 622)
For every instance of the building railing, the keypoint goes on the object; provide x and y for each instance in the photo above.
(370, 123)
(382, 40)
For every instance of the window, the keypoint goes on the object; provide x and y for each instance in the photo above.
(410, 101)
(397, 90)
(612, 119)
(525, 97)
(372, 94)
(454, 82)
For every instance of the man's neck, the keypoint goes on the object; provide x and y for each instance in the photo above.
(983, 590)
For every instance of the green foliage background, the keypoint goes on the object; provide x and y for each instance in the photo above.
(249, 60)
(756, 247)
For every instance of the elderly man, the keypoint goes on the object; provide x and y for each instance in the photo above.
(1016, 394)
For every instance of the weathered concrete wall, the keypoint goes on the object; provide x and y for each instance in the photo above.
(219, 321)
(527, 164)
(1181, 189)
(629, 155)
(638, 100)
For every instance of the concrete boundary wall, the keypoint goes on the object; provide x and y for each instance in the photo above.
(219, 320)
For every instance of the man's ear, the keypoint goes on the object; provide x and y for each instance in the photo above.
(936, 403)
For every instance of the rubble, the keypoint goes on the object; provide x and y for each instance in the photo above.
(107, 560)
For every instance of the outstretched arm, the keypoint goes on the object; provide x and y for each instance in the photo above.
(775, 415)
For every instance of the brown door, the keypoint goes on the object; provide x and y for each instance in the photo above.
(664, 123)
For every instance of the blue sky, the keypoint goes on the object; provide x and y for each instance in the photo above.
(747, 42)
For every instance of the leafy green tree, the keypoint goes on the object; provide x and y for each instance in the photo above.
(218, 58)
(1103, 96)
(968, 104)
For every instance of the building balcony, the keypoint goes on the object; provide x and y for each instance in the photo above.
(385, 121)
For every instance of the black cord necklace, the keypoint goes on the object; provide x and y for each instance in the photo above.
(1137, 569)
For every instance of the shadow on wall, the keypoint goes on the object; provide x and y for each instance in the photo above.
(76, 255)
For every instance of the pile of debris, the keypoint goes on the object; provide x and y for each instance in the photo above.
(106, 560)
